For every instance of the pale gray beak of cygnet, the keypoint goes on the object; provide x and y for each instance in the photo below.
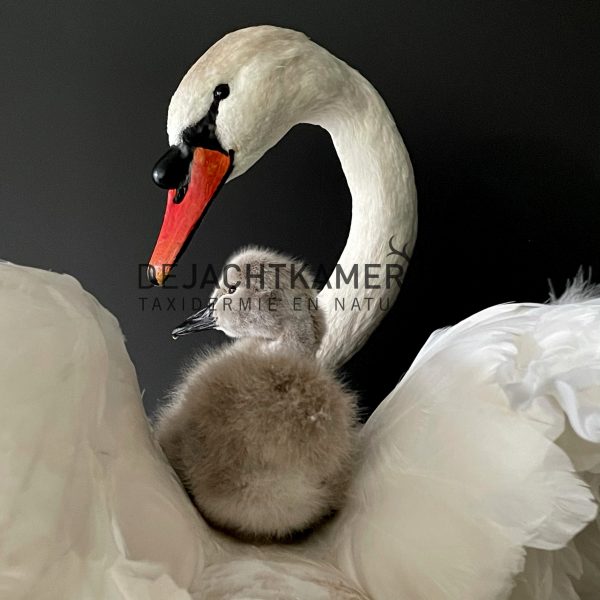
(199, 321)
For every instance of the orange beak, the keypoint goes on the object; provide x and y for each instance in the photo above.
(208, 171)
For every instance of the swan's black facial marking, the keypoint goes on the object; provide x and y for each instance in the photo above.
(202, 134)
(172, 171)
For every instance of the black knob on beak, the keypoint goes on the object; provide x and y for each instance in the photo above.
(172, 168)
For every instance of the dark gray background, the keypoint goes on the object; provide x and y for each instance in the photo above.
(498, 102)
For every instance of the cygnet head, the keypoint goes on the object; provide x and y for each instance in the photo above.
(266, 295)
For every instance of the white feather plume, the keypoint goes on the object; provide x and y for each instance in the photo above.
(461, 472)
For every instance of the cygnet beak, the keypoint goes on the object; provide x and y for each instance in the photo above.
(199, 321)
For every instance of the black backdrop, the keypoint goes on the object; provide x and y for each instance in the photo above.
(498, 103)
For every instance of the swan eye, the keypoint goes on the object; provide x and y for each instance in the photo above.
(221, 92)
(231, 289)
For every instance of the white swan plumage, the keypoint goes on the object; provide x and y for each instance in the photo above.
(472, 446)
(77, 456)
(479, 474)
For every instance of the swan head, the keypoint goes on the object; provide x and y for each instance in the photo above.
(263, 294)
(237, 101)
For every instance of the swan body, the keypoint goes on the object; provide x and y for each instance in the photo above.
(478, 474)
(260, 433)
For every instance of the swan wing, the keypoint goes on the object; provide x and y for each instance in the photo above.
(479, 456)
(88, 506)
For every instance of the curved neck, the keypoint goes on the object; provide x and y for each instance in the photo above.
(384, 209)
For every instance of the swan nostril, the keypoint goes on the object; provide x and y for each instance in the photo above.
(181, 192)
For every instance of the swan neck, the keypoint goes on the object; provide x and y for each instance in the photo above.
(384, 218)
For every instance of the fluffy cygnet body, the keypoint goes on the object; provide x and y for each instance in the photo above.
(260, 433)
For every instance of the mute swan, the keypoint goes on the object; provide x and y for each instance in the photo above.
(471, 478)
(496, 389)
(260, 433)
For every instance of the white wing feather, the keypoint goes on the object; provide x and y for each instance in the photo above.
(88, 506)
(461, 472)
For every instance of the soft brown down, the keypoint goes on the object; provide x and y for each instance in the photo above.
(262, 438)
